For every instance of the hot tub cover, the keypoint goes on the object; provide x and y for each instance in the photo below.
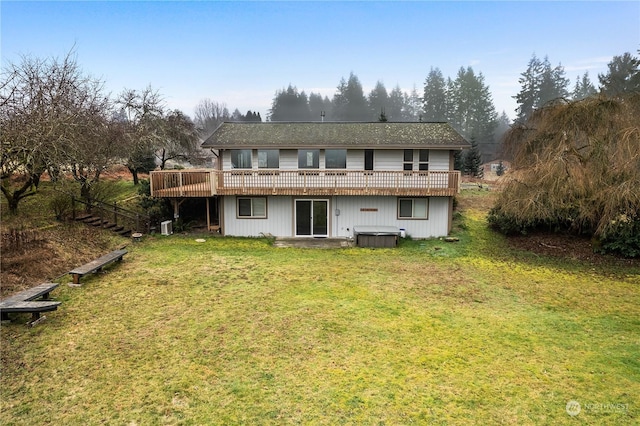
(375, 230)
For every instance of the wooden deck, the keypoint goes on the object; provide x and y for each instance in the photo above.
(206, 183)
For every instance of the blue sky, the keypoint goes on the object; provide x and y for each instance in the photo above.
(241, 52)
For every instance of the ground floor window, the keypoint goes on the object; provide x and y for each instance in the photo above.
(413, 208)
(254, 207)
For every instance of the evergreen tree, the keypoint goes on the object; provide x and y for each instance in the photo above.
(553, 83)
(290, 105)
(435, 96)
(236, 115)
(473, 160)
(458, 161)
(414, 110)
(503, 126)
(472, 109)
(623, 76)
(318, 106)
(527, 99)
(395, 111)
(349, 103)
(249, 116)
(378, 99)
(541, 84)
(583, 88)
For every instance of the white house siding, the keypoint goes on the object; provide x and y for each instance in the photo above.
(383, 211)
(383, 159)
(439, 160)
(279, 219)
(355, 159)
(289, 159)
(377, 211)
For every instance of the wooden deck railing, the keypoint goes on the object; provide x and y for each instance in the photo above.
(183, 183)
(205, 183)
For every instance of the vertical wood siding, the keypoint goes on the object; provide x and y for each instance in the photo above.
(279, 221)
(380, 211)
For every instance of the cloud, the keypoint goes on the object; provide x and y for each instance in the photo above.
(598, 63)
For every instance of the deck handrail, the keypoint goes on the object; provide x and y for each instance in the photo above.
(203, 183)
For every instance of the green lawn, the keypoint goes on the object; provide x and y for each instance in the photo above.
(235, 331)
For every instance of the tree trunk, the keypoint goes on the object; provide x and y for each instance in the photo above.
(14, 197)
(134, 174)
(85, 194)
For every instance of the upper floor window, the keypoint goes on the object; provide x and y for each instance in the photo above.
(423, 160)
(241, 158)
(408, 160)
(268, 158)
(368, 159)
(308, 158)
(335, 158)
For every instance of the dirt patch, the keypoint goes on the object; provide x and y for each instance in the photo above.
(54, 252)
(567, 246)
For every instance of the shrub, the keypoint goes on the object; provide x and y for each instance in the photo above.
(621, 236)
(576, 168)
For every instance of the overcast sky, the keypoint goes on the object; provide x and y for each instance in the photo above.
(240, 53)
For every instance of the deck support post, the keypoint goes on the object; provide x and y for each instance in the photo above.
(208, 216)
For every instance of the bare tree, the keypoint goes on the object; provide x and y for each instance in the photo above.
(48, 110)
(179, 139)
(209, 115)
(141, 116)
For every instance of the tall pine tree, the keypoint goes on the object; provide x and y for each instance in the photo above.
(290, 105)
(435, 97)
(583, 88)
(541, 83)
(472, 109)
(623, 76)
(349, 103)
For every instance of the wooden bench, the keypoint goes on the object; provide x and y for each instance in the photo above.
(24, 301)
(96, 265)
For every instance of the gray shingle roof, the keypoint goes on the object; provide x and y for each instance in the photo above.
(335, 134)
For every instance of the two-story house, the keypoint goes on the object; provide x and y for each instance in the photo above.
(324, 179)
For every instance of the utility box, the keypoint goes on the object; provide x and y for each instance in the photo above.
(166, 227)
(376, 236)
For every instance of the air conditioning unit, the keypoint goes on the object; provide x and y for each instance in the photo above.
(166, 227)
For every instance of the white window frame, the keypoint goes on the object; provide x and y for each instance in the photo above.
(253, 208)
(416, 203)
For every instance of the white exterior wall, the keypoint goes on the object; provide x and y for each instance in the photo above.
(382, 211)
(439, 160)
(437, 225)
(383, 159)
(279, 221)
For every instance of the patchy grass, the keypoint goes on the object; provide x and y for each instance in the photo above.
(235, 331)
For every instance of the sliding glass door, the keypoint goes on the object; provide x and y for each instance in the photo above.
(312, 218)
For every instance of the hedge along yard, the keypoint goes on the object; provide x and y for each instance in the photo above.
(236, 331)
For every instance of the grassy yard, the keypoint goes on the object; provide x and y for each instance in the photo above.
(235, 331)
